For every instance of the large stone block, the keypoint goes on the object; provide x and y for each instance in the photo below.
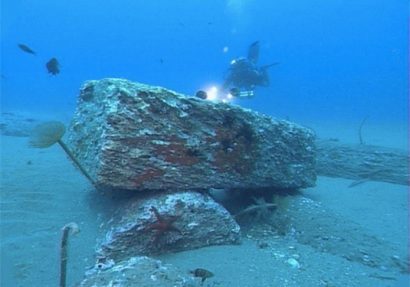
(167, 222)
(137, 137)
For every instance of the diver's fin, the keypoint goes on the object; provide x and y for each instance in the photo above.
(265, 67)
(253, 52)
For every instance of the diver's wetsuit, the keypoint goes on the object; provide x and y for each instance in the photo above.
(244, 74)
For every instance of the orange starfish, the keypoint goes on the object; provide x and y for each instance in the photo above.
(162, 225)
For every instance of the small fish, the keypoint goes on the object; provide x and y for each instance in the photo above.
(26, 49)
(53, 66)
(202, 273)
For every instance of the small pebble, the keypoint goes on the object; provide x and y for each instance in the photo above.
(293, 263)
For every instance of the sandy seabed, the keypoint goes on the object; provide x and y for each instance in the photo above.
(41, 191)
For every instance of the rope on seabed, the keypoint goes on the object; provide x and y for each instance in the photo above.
(360, 130)
(73, 228)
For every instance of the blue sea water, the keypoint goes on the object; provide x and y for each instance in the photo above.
(339, 61)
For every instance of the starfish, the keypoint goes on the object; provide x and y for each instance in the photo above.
(260, 208)
(162, 225)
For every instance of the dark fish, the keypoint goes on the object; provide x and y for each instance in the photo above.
(202, 273)
(53, 66)
(26, 49)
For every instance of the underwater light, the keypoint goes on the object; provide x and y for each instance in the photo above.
(212, 93)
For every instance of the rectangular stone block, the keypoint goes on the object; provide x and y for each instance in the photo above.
(137, 137)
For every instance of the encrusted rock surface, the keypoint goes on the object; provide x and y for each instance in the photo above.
(137, 271)
(195, 220)
(137, 137)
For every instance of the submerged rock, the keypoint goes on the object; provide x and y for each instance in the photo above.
(137, 271)
(137, 137)
(168, 222)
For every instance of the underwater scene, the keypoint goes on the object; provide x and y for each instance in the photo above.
(213, 143)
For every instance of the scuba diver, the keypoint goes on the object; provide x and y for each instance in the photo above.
(244, 74)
